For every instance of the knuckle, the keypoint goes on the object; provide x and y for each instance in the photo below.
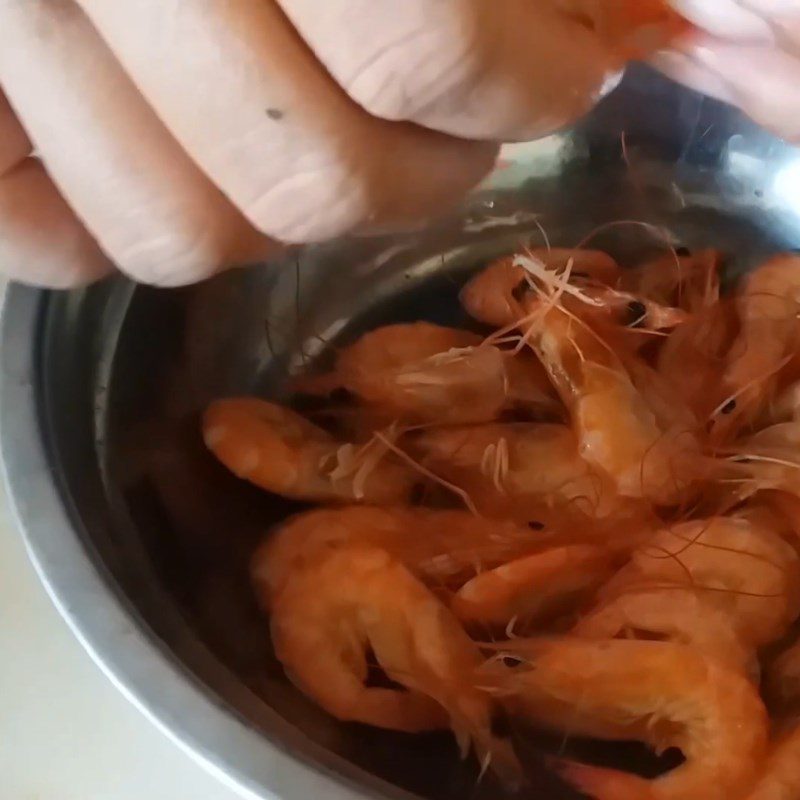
(411, 72)
(304, 206)
(170, 257)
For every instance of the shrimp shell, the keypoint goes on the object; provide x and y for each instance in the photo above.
(422, 373)
(679, 617)
(745, 570)
(509, 468)
(442, 547)
(533, 588)
(767, 303)
(348, 599)
(780, 779)
(278, 450)
(493, 295)
(661, 693)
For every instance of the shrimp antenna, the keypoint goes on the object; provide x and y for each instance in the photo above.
(457, 490)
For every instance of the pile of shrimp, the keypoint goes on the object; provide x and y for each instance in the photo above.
(581, 511)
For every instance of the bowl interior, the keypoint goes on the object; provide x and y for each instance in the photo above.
(124, 372)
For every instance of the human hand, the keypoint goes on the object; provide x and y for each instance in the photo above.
(189, 135)
(746, 52)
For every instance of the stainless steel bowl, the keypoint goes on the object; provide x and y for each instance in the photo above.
(142, 540)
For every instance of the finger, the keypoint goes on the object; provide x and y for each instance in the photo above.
(147, 204)
(41, 240)
(248, 100)
(510, 69)
(681, 68)
(14, 142)
(762, 80)
(730, 19)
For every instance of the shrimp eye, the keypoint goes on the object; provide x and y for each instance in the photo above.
(683, 251)
(637, 313)
(729, 407)
(535, 525)
(520, 290)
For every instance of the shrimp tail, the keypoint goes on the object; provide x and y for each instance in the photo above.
(604, 784)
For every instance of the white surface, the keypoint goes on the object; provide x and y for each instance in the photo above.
(65, 732)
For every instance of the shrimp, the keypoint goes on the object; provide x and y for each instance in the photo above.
(278, 450)
(421, 372)
(692, 359)
(494, 295)
(690, 282)
(661, 693)
(662, 615)
(743, 569)
(767, 304)
(780, 779)
(441, 547)
(769, 459)
(618, 432)
(358, 597)
(508, 469)
(660, 395)
(629, 310)
(785, 406)
(533, 587)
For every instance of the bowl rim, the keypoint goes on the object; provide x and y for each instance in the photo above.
(163, 689)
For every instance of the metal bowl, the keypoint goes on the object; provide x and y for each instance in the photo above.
(143, 541)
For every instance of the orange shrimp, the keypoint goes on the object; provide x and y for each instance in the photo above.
(278, 450)
(690, 282)
(494, 295)
(442, 547)
(661, 693)
(534, 587)
(669, 407)
(692, 359)
(512, 469)
(769, 459)
(358, 597)
(784, 407)
(780, 779)
(422, 372)
(618, 432)
(787, 508)
(742, 568)
(629, 310)
(768, 303)
(666, 615)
